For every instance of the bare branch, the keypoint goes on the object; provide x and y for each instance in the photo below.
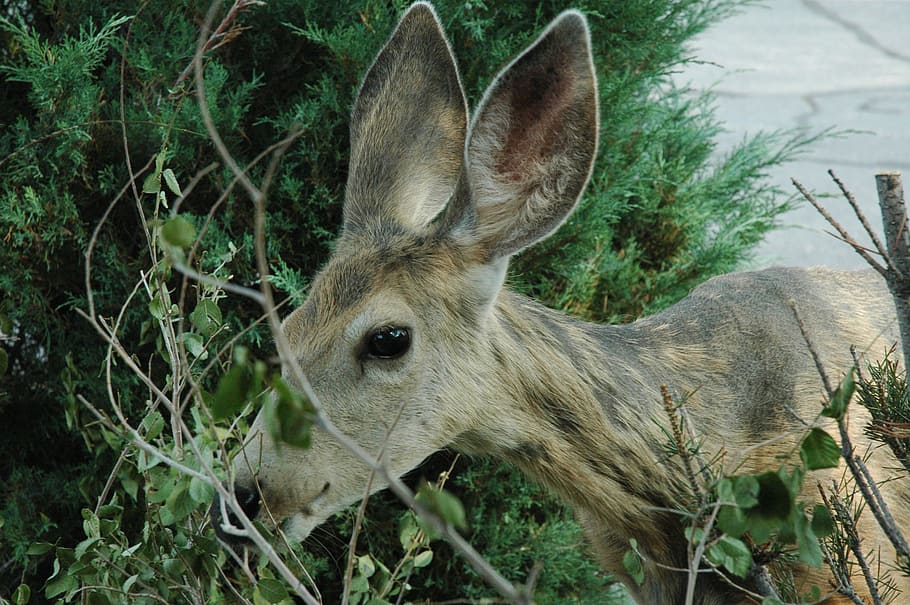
(846, 520)
(481, 566)
(861, 250)
(897, 236)
(851, 199)
(682, 447)
(224, 33)
(812, 350)
(254, 295)
(201, 98)
(696, 559)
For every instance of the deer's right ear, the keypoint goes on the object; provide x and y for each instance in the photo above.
(407, 128)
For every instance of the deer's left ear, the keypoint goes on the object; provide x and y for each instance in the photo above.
(532, 142)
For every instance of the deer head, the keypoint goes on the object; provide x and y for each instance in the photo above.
(394, 334)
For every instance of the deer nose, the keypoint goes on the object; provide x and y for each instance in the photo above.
(249, 503)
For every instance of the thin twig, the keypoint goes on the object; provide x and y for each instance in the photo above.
(863, 479)
(201, 97)
(352, 544)
(218, 37)
(861, 250)
(142, 444)
(253, 295)
(851, 199)
(695, 561)
(853, 541)
(321, 420)
(816, 358)
(681, 445)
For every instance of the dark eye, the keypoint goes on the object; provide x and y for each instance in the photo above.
(388, 342)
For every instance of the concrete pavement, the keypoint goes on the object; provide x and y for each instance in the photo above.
(816, 64)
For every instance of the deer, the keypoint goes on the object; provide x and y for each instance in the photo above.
(413, 343)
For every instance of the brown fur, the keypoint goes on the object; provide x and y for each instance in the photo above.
(575, 405)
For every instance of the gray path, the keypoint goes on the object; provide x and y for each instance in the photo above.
(816, 64)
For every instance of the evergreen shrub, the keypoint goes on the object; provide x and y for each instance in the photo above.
(94, 92)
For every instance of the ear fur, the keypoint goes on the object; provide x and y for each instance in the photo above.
(407, 128)
(533, 140)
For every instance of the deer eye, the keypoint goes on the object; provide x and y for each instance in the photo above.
(388, 342)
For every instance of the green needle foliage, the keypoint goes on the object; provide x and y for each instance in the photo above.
(94, 92)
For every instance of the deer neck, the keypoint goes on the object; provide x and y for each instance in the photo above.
(576, 408)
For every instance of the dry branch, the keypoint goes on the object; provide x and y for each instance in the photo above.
(520, 595)
(897, 238)
(896, 272)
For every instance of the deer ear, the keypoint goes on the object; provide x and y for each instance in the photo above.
(407, 128)
(533, 140)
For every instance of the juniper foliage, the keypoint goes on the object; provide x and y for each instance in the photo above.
(92, 92)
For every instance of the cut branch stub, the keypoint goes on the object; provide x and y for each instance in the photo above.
(894, 217)
(897, 238)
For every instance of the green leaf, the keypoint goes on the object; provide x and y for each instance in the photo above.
(130, 485)
(837, 407)
(151, 183)
(813, 595)
(201, 492)
(822, 523)
(4, 361)
(36, 549)
(153, 424)
(157, 309)
(774, 498)
(272, 590)
(819, 450)
(22, 594)
(91, 524)
(195, 345)
(178, 231)
(171, 181)
(129, 583)
(442, 503)
(109, 511)
(6, 324)
(732, 554)
(423, 559)
(365, 566)
(772, 601)
(206, 317)
(179, 503)
(174, 567)
(59, 584)
(84, 546)
(290, 415)
(631, 562)
(407, 531)
(745, 491)
(232, 393)
(810, 552)
(694, 534)
(359, 584)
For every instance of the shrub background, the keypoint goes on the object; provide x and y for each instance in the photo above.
(88, 89)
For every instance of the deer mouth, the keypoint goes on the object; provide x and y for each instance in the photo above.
(296, 525)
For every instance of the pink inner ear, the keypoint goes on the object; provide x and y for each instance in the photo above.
(538, 100)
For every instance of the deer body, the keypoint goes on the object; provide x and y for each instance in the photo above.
(413, 345)
(584, 416)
